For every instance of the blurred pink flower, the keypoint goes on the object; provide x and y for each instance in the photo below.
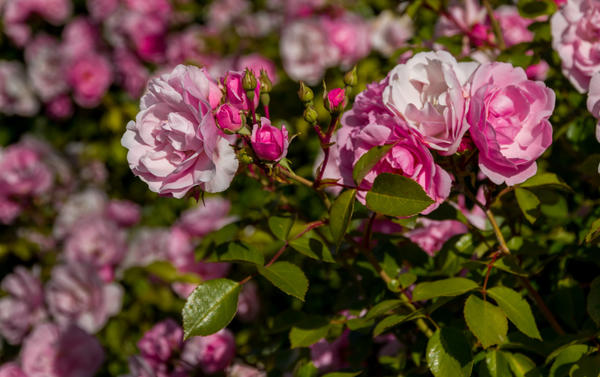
(18, 12)
(23, 172)
(160, 343)
(131, 73)
(349, 35)
(148, 33)
(79, 37)
(75, 294)
(212, 353)
(248, 302)
(331, 356)
(210, 215)
(174, 144)
(90, 77)
(91, 202)
(147, 245)
(11, 370)
(256, 62)
(509, 115)
(389, 33)
(101, 9)
(513, 26)
(432, 234)
(16, 94)
(52, 351)
(123, 212)
(538, 71)
(45, 64)
(60, 107)
(222, 13)
(243, 370)
(593, 101)
(575, 31)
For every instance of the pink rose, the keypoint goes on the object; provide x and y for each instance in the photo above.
(432, 234)
(16, 94)
(148, 32)
(159, 343)
(60, 107)
(11, 370)
(370, 123)
(18, 12)
(9, 210)
(162, 7)
(76, 294)
(269, 143)
(328, 357)
(576, 38)
(90, 77)
(174, 143)
(468, 18)
(538, 71)
(189, 46)
(79, 37)
(257, 62)
(235, 93)
(389, 33)
(513, 26)
(593, 100)
(45, 67)
(91, 202)
(24, 305)
(52, 351)
(131, 73)
(242, 370)
(222, 13)
(148, 245)
(23, 172)
(305, 50)
(123, 212)
(101, 9)
(229, 118)
(509, 115)
(211, 353)
(428, 91)
(248, 302)
(349, 35)
(206, 217)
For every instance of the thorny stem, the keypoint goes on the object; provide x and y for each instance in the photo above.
(495, 24)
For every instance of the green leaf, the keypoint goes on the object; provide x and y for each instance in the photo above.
(168, 273)
(307, 370)
(449, 353)
(342, 374)
(587, 366)
(566, 358)
(407, 279)
(311, 246)
(544, 180)
(593, 301)
(394, 320)
(594, 231)
(486, 321)
(287, 277)
(396, 195)
(528, 203)
(308, 331)
(536, 8)
(281, 226)
(520, 365)
(210, 307)
(240, 252)
(516, 309)
(340, 215)
(367, 161)
(495, 365)
(446, 287)
(382, 308)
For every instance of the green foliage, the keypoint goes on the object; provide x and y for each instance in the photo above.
(396, 195)
(446, 287)
(340, 215)
(516, 309)
(449, 353)
(486, 321)
(368, 161)
(288, 277)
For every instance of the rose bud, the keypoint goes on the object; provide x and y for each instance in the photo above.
(229, 118)
(335, 101)
(269, 143)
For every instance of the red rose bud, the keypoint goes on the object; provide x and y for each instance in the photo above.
(229, 118)
(335, 101)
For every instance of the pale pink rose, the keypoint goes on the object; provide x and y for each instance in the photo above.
(45, 67)
(389, 33)
(243, 370)
(305, 50)
(16, 93)
(429, 92)
(222, 13)
(23, 172)
(174, 144)
(468, 18)
(52, 351)
(79, 37)
(60, 107)
(11, 370)
(24, 305)
(370, 123)
(101, 9)
(160, 343)
(432, 234)
(76, 294)
(576, 38)
(208, 216)
(124, 212)
(132, 75)
(349, 35)
(90, 77)
(91, 202)
(259, 24)
(593, 103)
(148, 33)
(475, 215)
(148, 245)
(331, 356)
(509, 115)
(235, 93)
(513, 26)
(212, 353)
(248, 302)
(98, 242)
(257, 62)
(269, 142)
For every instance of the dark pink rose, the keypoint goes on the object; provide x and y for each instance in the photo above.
(212, 353)
(349, 35)
(268, 142)
(60, 107)
(161, 342)
(336, 99)
(90, 77)
(228, 118)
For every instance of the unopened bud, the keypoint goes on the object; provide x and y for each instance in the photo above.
(305, 93)
(311, 115)
(249, 81)
(335, 100)
(265, 82)
(351, 78)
